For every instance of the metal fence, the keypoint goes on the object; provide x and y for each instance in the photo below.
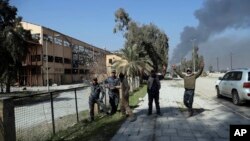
(39, 116)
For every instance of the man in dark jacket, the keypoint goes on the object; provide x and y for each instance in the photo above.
(153, 88)
(189, 85)
(113, 91)
(96, 89)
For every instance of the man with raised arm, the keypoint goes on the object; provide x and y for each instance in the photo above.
(189, 85)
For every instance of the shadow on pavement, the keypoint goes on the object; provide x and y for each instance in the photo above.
(172, 111)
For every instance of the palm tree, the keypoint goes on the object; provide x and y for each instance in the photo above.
(134, 63)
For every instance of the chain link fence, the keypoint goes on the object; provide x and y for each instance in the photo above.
(39, 116)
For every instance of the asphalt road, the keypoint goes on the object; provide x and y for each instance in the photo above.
(205, 88)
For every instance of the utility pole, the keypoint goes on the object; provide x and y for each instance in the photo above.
(218, 64)
(231, 60)
(193, 40)
(47, 67)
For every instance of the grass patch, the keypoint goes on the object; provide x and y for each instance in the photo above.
(134, 98)
(103, 128)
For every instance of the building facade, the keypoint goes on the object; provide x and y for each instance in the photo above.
(60, 59)
(110, 59)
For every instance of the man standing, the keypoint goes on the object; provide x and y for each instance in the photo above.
(96, 89)
(124, 90)
(153, 89)
(113, 85)
(189, 85)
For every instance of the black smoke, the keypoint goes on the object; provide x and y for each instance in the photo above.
(215, 17)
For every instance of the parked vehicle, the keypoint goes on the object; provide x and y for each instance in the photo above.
(168, 76)
(235, 84)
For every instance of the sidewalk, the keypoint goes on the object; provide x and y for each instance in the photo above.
(210, 122)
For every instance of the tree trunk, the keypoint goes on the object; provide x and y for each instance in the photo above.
(1, 87)
(8, 84)
(140, 80)
(133, 83)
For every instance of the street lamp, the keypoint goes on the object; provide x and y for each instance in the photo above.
(47, 59)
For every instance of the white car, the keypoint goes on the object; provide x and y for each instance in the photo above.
(235, 84)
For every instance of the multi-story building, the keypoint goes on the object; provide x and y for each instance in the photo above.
(60, 59)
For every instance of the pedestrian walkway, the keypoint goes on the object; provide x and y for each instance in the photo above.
(210, 122)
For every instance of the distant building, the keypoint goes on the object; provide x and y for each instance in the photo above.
(110, 59)
(69, 60)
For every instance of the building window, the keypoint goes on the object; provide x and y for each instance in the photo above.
(67, 61)
(75, 63)
(50, 58)
(83, 71)
(81, 49)
(110, 61)
(58, 59)
(48, 38)
(67, 71)
(35, 71)
(58, 41)
(66, 44)
(75, 48)
(36, 36)
(35, 58)
(74, 71)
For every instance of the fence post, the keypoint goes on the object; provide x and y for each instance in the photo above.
(77, 116)
(105, 96)
(7, 120)
(52, 113)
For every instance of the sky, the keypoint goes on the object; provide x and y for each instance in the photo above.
(92, 21)
(221, 28)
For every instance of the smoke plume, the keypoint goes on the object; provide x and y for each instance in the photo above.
(215, 17)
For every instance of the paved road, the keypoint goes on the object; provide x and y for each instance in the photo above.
(206, 89)
(210, 122)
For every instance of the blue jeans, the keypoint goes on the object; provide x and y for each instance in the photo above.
(188, 98)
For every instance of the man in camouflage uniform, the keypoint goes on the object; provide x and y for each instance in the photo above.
(96, 89)
(124, 91)
(189, 85)
(113, 91)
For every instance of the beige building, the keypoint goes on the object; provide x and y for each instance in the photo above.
(61, 58)
(110, 59)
